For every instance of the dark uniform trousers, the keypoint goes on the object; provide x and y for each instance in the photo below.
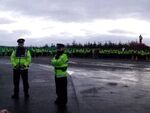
(16, 80)
(61, 89)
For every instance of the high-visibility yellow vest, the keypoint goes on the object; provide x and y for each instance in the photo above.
(61, 65)
(22, 61)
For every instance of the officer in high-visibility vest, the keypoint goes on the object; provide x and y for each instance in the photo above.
(60, 63)
(20, 60)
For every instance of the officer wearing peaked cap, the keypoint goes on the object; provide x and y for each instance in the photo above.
(60, 63)
(20, 60)
(59, 46)
(21, 40)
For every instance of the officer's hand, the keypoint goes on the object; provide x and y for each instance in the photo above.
(23, 66)
(57, 56)
(16, 66)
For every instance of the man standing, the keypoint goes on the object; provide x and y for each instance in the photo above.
(60, 63)
(20, 60)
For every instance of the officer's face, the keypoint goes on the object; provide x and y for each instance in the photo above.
(20, 44)
(60, 49)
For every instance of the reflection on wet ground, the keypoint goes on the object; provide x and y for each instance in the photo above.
(42, 91)
(113, 87)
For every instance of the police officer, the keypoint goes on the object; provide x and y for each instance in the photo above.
(60, 63)
(20, 60)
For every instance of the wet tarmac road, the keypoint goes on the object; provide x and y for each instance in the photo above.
(98, 86)
(42, 91)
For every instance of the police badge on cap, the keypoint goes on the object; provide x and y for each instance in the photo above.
(21, 40)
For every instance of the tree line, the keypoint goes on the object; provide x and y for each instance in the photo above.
(131, 50)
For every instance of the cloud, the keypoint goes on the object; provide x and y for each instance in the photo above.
(118, 31)
(79, 10)
(6, 38)
(111, 38)
(19, 33)
(6, 21)
(10, 38)
(46, 21)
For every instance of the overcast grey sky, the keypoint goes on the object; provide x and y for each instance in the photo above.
(43, 22)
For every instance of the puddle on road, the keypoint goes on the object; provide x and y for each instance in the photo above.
(51, 68)
(112, 83)
(108, 76)
(39, 80)
(92, 91)
(46, 67)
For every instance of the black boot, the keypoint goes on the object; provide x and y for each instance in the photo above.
(56, 101)
(26, 95)
(15, 96)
